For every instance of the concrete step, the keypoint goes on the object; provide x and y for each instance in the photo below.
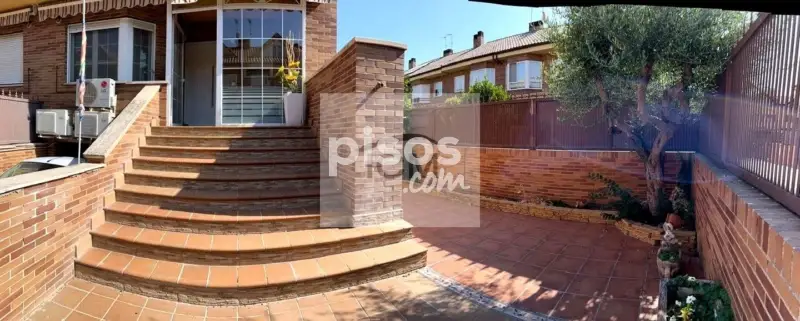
(242, 249)
(241, 222)
(232, 141)
(247, 284)
(228, 181)
(205, 131)
(250, 154)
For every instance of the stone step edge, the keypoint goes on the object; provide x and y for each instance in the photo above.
(154, 194)
(203, 161)
(227, 149)
(94, 258)
(172, 175)
(230, 137)
(108, 229)
(213, 128)
(217, 218)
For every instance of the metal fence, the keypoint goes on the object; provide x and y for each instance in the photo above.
(754, 127)
(531, 124)
(17, 124)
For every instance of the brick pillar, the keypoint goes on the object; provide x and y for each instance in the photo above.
(361, 87)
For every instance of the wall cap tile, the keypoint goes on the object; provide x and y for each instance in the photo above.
(26, 180)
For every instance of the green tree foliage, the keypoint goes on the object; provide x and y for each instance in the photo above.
(484, 90)
(644, 67)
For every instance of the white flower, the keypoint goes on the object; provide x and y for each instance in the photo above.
(691, 279)
(690, 299)
(678, 303)
(673, 318)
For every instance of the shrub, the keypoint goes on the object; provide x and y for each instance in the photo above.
(488, 91)
(624, 202)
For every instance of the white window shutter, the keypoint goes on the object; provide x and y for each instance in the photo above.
(535, 74)
(11, 59)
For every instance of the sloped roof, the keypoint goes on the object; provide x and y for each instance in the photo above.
(492, 47)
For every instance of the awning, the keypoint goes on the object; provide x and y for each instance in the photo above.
(15, 17)
(67, 9)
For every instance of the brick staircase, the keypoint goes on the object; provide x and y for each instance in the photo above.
(230, 216)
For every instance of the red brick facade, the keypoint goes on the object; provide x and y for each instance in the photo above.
(12, 155)
(320, 35)
(748, 242)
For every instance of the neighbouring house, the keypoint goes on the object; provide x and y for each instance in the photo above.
(515, 62)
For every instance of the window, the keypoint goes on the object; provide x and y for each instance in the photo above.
(121, 49)
(437, 89)
(421, 93)
(524, 75)
(11, 59)
(480, 75)
(458, 84)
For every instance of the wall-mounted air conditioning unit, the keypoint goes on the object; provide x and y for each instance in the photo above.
(53, 122)
(94, 123)
(100, 93)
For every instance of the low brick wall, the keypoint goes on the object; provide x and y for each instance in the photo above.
(550, 174)
(748, 242)
(10, 155)
(40, 227)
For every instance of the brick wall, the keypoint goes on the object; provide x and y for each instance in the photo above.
(748, 242)
(552, 175)
(320, 35)
(343, 98)
(45, 54)
(12, 154)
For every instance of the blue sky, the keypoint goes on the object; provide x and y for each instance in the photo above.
(422, 24)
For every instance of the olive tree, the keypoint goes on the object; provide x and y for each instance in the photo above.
(644, 67)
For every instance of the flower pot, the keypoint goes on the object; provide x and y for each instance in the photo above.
(294, 107)
(675, 220)
(667, 269)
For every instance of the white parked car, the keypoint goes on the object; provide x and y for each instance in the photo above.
(40, 164)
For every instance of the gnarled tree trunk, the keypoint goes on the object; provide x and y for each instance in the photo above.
(654, 169)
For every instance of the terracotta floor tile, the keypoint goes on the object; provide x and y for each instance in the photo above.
(598, 268)
(199, 241)
(332, 265)
(221, 312)
(141, 267)
(181, 317)
(251, 275)
(116, 262)
(121, 311)
(651, 287)
(77, 316)
(567, 264)
(161, 305)
(119, 206)
(174, 239)
(576, 307)
(51, 312)
(275, 240)
(283, 306)
(279, 273)
(339, 295)
(132, 299)
(157, 211)
(605, 254)
(452, 267)
(618, 310)
(348, 310)
(625, 288)
(541, 300)
(311, 301)
(167, 271)
(538, 258)
(578, 251)
(527, 241)
(513, 253)
(225, 242)
(554, 279)
(306, 269)
(299, 238)
(253, 311)
(286, 316)
(138, 208)
(222, 276)
(356, 260)
(588, 285)
(128, 232)
(491, 245)
(630, 270)
(635, 255)
(70, 297)
(107, 229)
(106, 291)
(551, 247)
(250, 242)
(153, 315)
(325, 236)
(149, 236)
(196, 275)
(190, 309)
(94, 256)
(81, 285)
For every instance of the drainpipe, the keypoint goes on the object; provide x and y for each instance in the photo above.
(82, 82)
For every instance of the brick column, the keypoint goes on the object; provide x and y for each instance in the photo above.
(361, 87)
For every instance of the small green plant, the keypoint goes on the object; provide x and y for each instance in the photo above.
(488, 91)
(669, 254)
(694, 300)
(626, 204)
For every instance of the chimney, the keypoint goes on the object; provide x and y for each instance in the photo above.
(477, 39)
(412, 63)
(447, 52)
(536, 26)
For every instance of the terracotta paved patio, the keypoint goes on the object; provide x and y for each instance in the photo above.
(571, 270)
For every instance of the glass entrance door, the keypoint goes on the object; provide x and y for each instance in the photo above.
(178, 117)
(256, 43)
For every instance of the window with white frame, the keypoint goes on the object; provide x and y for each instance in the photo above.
(437, 89)
(525, 74)
(11, 59)
(458, 84)
(421, 93)
(481, 75)
(121, 49)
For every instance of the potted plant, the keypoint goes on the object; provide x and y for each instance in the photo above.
(294, 100)
(687, 299)
(669, 255)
